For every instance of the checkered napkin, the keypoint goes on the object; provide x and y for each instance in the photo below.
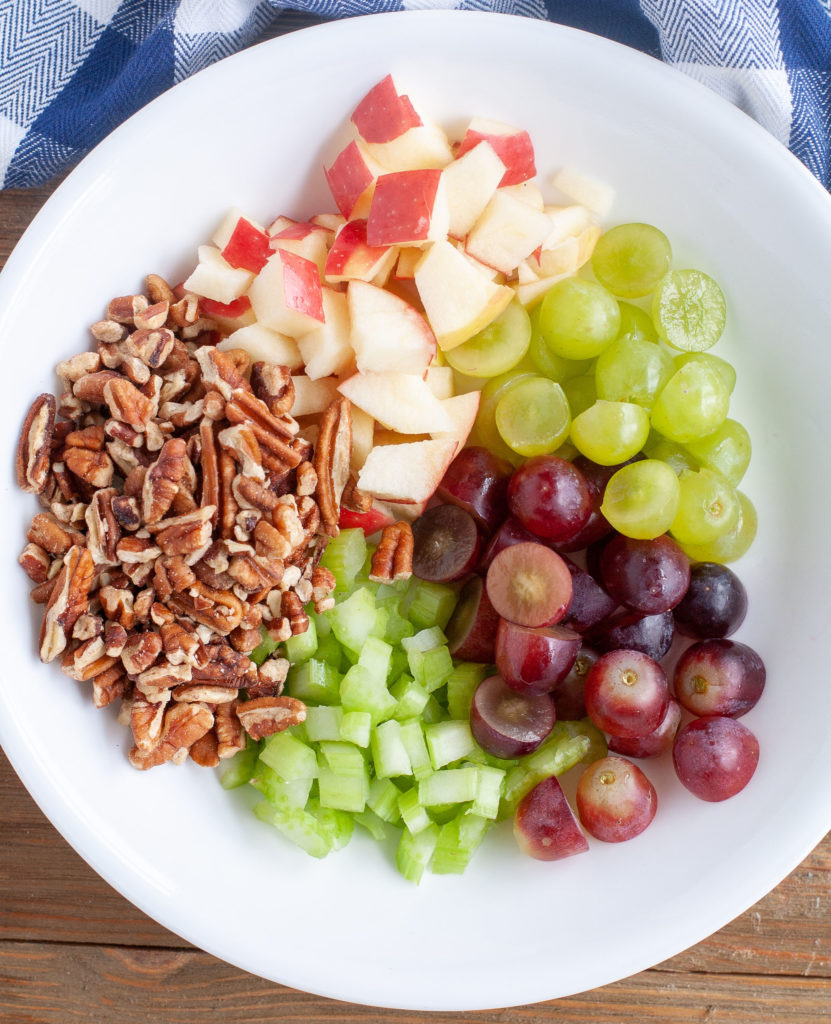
(71, 70)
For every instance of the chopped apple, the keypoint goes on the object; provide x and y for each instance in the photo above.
(440, 380)
(507, 232)
(327, 349)
(280, 224)
(387, 332)
(406, 264)
(352, 258)
(331, 221)
(312, 397)
(397, 135)
(462, 410)
(530, 291)
(363, 435)
(229, 316)
(371, 521)
(512, 145)
(263, 344)
(458, 300)
(351, 179)
(304, 239)
(567, 222)
(228, 225)
(471, 180)
(526, 192)
(242, 241)
(215, 278)
(409, 510)
(400, 401)
(569, 245)
(287, 294)
(383, 114)
(597, 195)
(406, 472)
(408, 208)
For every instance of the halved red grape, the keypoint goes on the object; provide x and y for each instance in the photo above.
(529, 584)
(597, 526)
(590, 604)
(545, 826)
(446, 544)
(615, 800)
(510, 532)
(648, 576)
(535, 660)
(715, 757)
(715, 603)
(719, 677)
(507, 723)
(550, 498)
(649, 634)
(570, 694)
(657, 742)
(477, 481)
(471, 631)
(626, 693)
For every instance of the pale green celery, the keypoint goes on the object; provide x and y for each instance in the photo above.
(353, 619)
(355, 727)
(411, 697)
(458, 840)
(414, 852)
(238, 770)
(413, 814)
(343, 792)
(389, 753)
(344, 556)
(265, 649)
(323, 723)
(597, 748)
(277, 790)
(298, 825)
(430, 668)
(397, 627)
(369, 820)
(461, 684)
(360, 690)
(398, 663)
(314, 681)
(412, 736)
(424, 640)
(430, 604)
(329, 649)
(289, 757)
(336, 825)
(556, 755)
(379, 626)
(302, 646)
(489, 785)
(433, 711)
(448, 741)
(383, 800)
(449, 786)
(375, 657)
(342, 758)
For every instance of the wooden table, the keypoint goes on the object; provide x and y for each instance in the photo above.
(72, 949)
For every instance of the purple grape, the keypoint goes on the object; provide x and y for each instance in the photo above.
(570, 694)
(615, 800)
(649, 634)
(446, 544)
(719, 677)
(507, 723)
(715, 603)
(590, 604)
(626, 694)
(550, 498)
(647, 576)
(715, 757)
(657, 742)
(535, 660)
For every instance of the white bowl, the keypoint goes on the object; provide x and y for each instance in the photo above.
(254, 131)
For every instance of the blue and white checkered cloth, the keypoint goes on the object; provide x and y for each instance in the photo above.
(71, 70)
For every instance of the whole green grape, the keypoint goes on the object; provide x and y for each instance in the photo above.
(632, 370)
(708, 507)
(731, 545)
(609, 433)
(532, 416)
(727, 451)
(578, 318)
(641, 499)
(692, 404)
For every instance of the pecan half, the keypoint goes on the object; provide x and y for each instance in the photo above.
(35, 562)
(103, 529)
(68, 601)
(265, 716)
(332, 458)
(161, 482)
(35, 445)
(183, 725)
(140, 651)
(94, 468)
(393, 558)
(127, 403)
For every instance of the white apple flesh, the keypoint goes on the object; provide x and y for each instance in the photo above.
(387, 332)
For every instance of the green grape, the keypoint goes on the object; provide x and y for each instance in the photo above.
(580, 392)
(730, 545)
(689, 310)
(721, 366)
(636, 322)
(496, 348)
(631, 259)
(676, 456)
(533, 416)
(547, 362)
(727, 451)
(632, 370)
(609, 433)
(578, 319)
(641, 499)
(708, 507)
(485, 430)
(693, 403)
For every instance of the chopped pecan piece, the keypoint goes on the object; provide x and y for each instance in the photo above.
(158, 290)
(323, 585)
(35, 445)
(140, 652)
(161, 482)
(67, 602)
(220, 610)
(205, 751)
(124, 308)
(126, 512)
(189, 693)
(230, 735)
(183, 725)
(117, 604)
(35, 562)
(332, 458)
(108, 686)
(183, 535)
(393, 558)
(146, 721)
(127, 403)
(103, 529)
(265, 716)
(94, 468)
(273, 385)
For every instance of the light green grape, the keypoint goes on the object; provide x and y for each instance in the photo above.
(721, 366)
(609, 433)
(580, 392)
(708, 507)
(533, 416)
(676, 456)
(727, 451)
(692, 404)
(689, 310)
(641, 499)
(497, 348)
(578, 318)
(636, 322)
(485, 430)
(731, 545)
(547, 362)
(632, 370)
(631, 259)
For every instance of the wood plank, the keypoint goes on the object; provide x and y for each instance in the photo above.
(58, 984)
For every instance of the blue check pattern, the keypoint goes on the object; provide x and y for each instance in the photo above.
(71, 70)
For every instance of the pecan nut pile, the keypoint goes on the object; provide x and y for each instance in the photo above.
(182, 514)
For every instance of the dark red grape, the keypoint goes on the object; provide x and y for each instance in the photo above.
(570, 694)
(471, 631)
(510, 532)
(715, 603)
(597, 525)
(507, 723)
(719, 677)
(615, 800)
(647, 576)
(715, 757)
(550, 498)
(535, 660)
(649, 634)
(545, 826)
(590, 604)
(529, 584)
(626, 694)
(657, 742)
(446, 544)
(477, 481)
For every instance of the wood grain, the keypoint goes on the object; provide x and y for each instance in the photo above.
(72, 949)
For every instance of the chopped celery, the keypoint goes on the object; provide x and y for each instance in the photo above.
(424, 640)
(315, 681)
(355, 727)
(383, 800)
(239, 769)
(412, 736)
(277, 790)
(375, 657)
(414, 816)
(337, 825)
(488, 791)
(328, 649)
(343, 758)
(388, 751)
(353, 620)
(461, 683)
(410, 696)
(345, 555)
(598, 747)
(430, 668)
(449, 786)
(414, 852)
(360, 690)
(399, 663)
(298, 825)
(433, 711)
(343, 792)
(458, 841)
(289, 757)
(302, 646)
(448, 741)
(397, 626)
(323, 723)
(368, 819)
(430, 604)
(553, 757)
(265, 649)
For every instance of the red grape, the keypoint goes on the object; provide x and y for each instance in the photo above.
(715, 757)
(570, 694)
(590, 604)
(545, 826)
(719, 677)
(445, 544)
(649, 634)
(507, 723)
(626, 694)
(535, 660)
(648, 576)
(615, 800)
(510, 532)
(471, 631)
(550, 498)
(477, 481)
(657, 742)
(715, 603)
(529, 584)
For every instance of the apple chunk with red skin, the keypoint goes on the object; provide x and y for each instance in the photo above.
(408, 208)
(352, 258)
(406, 472)
(287, 294)
(387, 332)
(247, 247)
(513, 146)
(349, 178)
(304, 239)
(383, 114)
(545, 826)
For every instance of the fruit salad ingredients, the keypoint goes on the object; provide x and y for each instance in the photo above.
(534, 661)
(545, 826)
(507, 723)
(714, 605)
(715, 757)
(529, 584)
(615, 800)
(626, 693)
(719, 677)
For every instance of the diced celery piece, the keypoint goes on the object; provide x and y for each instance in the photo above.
(415, 851)
(433, 711)
(289, 757)
(388, 751)
(354, 619)
(369, 820)
(461, 683)
(398, 627)
(355, 727)
(314, 682)
(379, 625)
(449, 786)
(265, 648)
(345, 555)
(337, 825)
(414, 816)
(448, 741)
(442, 813)
(480, 756)
(343, 792)
(598, 747)
(360, 690)
(323, 624)
(238, 770)
(430, 604)
(458, 840)
(278, 791)
(343, 758)
(488, 791)
(424, 640)
(430, 668)
(375, 657)
(298, 825)
(383, 800)
(410, 695)
(323, 723)
(399, 663)
(412, 736)
(329, 649)
(556, 755)
(302, 646)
